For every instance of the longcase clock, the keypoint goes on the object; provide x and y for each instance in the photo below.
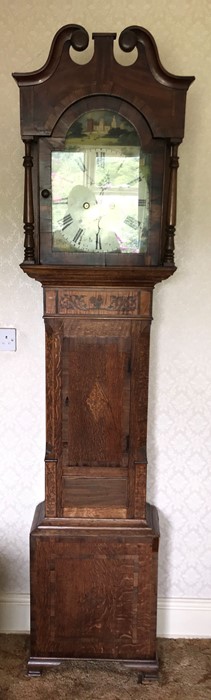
(101, 157)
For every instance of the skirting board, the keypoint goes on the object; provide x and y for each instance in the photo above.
(177, 617)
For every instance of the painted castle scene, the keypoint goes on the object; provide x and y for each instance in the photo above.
(97, 125)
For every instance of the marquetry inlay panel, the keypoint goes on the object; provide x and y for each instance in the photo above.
(97, 302)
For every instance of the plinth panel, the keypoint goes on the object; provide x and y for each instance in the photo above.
(94, 593)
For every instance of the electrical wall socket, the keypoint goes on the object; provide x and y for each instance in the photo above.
(7, 339)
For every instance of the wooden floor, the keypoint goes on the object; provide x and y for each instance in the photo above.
(185, 674)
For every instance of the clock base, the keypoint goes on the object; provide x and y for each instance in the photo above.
(147, 670)
(94, 592)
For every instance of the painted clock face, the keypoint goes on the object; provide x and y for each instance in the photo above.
(100, 187)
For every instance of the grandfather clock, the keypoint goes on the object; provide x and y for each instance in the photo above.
(101, 158)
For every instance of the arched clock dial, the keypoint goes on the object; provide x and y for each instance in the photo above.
(100, 188)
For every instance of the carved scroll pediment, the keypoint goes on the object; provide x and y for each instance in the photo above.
(145, 81)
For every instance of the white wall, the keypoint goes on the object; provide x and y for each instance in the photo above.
(179, 448)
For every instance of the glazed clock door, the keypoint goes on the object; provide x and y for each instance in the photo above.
(100, 194)
(98, 186)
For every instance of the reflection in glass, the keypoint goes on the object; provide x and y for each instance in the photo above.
(100, 192)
